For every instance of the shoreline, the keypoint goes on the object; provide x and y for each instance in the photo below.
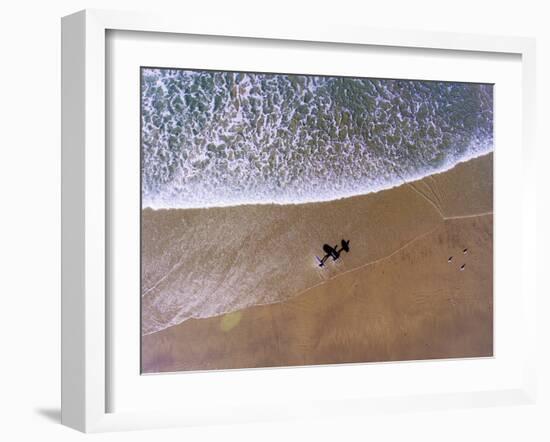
(409, 180)
(416, 284)
(251, 251)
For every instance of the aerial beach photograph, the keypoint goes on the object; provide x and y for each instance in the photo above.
(295, 220)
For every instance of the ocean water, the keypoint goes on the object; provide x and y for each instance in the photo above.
(224, 138)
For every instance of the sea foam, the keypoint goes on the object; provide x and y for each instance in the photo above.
(224, 139)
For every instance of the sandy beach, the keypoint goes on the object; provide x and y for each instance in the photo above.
(238, 287)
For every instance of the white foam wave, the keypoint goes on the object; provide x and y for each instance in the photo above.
(215, 139)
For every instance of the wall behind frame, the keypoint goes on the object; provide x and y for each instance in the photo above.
(30, 221)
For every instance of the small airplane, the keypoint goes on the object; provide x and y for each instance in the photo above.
(333, 252)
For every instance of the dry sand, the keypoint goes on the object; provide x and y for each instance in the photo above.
(395, 296)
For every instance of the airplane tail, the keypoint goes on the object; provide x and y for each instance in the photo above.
(345, 245)
(320, 261)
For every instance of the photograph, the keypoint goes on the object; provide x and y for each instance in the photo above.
(292, 219)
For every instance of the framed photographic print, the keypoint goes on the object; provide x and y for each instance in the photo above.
(248, 179)
(250, 213)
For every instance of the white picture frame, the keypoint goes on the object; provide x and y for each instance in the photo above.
(85, 200)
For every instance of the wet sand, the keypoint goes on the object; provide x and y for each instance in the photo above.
(395, 296)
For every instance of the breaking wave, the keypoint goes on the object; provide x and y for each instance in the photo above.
(225, 138)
